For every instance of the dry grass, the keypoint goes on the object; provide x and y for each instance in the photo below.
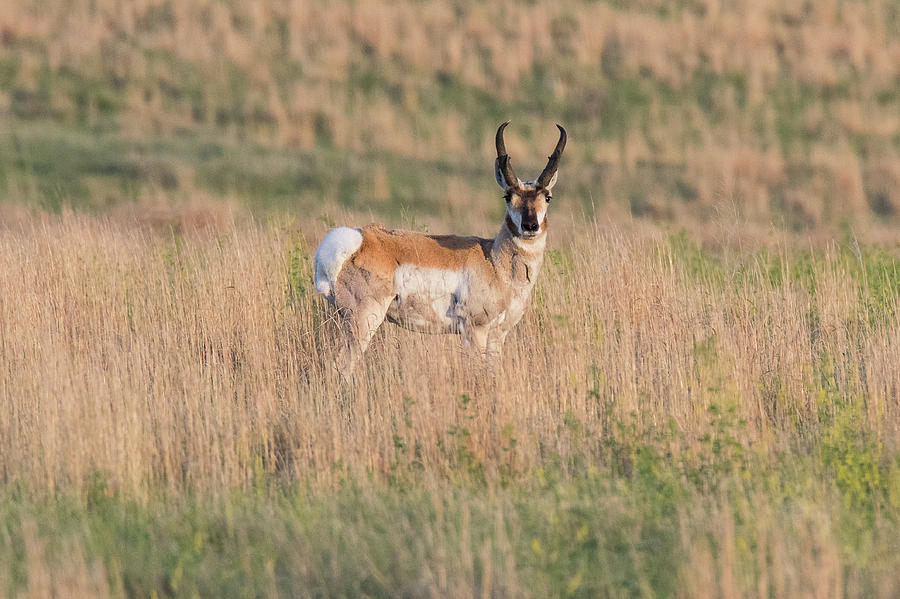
(184, 359)
(194, 362)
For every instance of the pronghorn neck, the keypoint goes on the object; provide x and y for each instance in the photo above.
(510, 252)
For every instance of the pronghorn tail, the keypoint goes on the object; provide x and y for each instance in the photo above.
(335, 249)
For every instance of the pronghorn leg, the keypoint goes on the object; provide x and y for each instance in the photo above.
(494, 348)
(475, 340)
(359, 326)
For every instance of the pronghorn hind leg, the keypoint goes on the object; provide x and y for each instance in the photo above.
(363, 300)
(359, 326)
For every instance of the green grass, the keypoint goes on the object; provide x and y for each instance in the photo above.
(52, 166)
(621, 520)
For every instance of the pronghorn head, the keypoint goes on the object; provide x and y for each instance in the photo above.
(526, 201)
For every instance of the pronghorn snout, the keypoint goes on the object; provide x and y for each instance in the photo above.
(530, 226)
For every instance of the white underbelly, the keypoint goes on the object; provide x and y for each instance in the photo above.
(427, 298)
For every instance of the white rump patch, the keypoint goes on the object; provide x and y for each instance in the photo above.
(335, 249)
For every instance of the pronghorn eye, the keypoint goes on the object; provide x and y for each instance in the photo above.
(549, 198)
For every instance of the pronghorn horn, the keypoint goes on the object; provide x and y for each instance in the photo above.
(503, 158)
(553, 161)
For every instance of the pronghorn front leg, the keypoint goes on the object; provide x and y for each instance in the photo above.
(475, 340)
(494, 348)
(482, 348)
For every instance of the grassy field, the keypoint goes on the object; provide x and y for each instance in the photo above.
(702, 401)
(666, 422)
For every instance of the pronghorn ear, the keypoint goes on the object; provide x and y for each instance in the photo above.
(552, 181)
(498, 174)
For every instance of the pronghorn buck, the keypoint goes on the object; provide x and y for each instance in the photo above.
(475, 287)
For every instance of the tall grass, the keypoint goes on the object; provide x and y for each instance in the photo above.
(169, 415)
(199, 358)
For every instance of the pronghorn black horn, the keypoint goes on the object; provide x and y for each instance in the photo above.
(553, 161)
(503, 158)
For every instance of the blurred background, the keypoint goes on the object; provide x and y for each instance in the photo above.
(776, 115)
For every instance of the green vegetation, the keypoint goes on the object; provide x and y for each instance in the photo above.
(53, 167)
(631, 516)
